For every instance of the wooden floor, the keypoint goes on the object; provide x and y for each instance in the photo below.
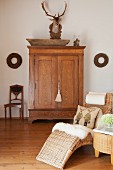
(20, 142)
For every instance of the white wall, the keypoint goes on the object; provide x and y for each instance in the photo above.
(91, 19)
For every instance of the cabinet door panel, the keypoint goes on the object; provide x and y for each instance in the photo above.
(45, 80)
(68, 77)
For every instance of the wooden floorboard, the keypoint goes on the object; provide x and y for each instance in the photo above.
(20, 142)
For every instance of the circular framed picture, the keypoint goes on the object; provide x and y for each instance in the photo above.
(14, 60)
(101, 60)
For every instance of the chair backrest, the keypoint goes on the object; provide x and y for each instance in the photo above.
(16, 93)
(107, 108)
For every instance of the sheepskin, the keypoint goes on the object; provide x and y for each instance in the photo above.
(74, 130)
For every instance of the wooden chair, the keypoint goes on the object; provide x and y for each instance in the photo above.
(16, 99)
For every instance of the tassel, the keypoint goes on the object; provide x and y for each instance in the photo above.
(58, 97)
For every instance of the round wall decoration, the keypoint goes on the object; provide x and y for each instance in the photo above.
(102, 56)
(14, 60)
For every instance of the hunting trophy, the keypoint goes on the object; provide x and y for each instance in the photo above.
(55, 27)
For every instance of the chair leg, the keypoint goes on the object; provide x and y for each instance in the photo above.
(22, 116)
(5, 112)
(10, 112)
(20, 110)
(22, 113)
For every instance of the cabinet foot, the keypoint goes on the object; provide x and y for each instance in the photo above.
(96, 153)
(111, 159)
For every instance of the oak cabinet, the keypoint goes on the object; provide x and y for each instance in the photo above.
(48, 67)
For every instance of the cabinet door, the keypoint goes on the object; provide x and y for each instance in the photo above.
(45, 81)
(68, 77)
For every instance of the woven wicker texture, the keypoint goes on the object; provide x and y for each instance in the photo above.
(107, 108)
(57, 147)
(103, 143)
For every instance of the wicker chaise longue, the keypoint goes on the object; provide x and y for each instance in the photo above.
(60, 145)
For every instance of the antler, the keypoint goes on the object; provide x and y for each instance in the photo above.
(55, 14)
(46, 11)
(63, 11)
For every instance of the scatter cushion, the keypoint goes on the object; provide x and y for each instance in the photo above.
(97, 122)
(86, 116)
